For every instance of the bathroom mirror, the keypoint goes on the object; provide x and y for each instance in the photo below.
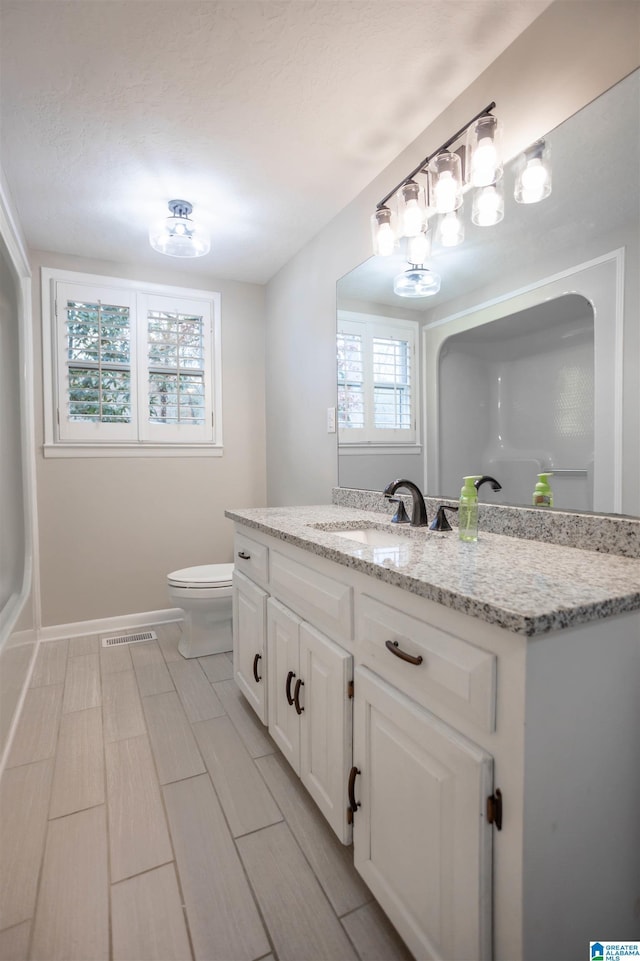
(536, 300)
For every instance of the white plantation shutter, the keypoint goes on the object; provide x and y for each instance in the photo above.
(96, 363)
(392, 384)
(177, 382)
(377, 379)
(132, 367)
(350, 381)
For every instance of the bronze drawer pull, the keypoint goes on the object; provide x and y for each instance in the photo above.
(353, 804)
(287, 690)
(257, 658)
(395, 649)
(296, 695)
(245, 557)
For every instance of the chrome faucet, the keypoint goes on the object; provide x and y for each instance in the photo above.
(419, 512)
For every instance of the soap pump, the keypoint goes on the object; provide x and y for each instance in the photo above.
(543, 495)
(468, 509)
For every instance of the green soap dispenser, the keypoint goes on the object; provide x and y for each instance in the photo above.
(543, 495)
(468, 509)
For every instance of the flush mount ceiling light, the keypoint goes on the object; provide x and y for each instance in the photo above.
(178, 235)
(417, 281)
(433, 192)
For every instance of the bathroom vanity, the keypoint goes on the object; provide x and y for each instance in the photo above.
(468, 714)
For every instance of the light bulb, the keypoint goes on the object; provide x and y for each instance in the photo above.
(411, 209)
(451, 230)
(484, 162)
(419, 248)
(535, 182)
(412, 219)
(485, 139)
(383, 232)
(386, 240)
(446, 191)
(488, 206)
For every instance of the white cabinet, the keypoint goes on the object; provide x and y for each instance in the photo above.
(249, 642)
(421, 839)
(310, 709)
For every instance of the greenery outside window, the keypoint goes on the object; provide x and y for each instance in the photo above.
(377, 378)
(131, 366)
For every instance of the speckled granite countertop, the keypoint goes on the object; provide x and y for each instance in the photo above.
(524, 586)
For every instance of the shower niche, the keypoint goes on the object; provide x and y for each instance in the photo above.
(516, 397)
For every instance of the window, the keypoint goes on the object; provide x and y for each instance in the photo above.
(131, 366)
(377, 379)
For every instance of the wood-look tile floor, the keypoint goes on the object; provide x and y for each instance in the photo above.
(145, 813)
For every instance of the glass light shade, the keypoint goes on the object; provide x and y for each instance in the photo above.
(383, 232)
(416, 282)
(445, 172)
(419, 248)
(178, 235)
(451, 229)
(488, 205)
(485, 150)
(412, 209)
(533, 178)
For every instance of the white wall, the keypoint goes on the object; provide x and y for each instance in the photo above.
(112, 528)
(573, 52)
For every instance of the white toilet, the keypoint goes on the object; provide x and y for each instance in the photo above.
(204, 594)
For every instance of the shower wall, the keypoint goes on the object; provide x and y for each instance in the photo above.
(12, 513)
(516, 397)
(18, 635)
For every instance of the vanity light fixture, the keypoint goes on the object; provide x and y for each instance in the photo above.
(470, 159)
(533, 180)
(178, 235)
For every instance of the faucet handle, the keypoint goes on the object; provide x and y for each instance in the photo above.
(400, 516)
(440, 521)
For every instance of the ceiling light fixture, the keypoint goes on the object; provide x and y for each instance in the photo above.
(178, 235)
(417, 281)
(470, 159)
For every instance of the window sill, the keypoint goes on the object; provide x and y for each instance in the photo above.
(132, 450)
(350, 450)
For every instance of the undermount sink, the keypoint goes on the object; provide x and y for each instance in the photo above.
(372, 536)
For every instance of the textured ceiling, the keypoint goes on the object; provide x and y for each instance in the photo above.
(268, 116)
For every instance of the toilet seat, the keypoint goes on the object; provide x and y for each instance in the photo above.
(205, 577)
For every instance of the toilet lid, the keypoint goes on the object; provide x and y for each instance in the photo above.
(207, 575)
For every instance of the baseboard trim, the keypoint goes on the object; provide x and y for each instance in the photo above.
(56, 632)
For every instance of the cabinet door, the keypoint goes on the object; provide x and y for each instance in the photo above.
(249, 642)
(421, 839)
(326, 725)
(283, 629)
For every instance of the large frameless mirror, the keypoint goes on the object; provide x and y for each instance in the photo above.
(520, 363)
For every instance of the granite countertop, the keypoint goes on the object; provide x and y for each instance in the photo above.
(528, 587)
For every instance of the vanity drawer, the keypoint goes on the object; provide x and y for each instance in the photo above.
(452, 671)
(322, 600)
(252, 558)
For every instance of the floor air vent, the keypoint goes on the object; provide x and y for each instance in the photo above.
(129, 638)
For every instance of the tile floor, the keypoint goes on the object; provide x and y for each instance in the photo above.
(146, 814)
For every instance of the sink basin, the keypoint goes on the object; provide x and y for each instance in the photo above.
(372, 537)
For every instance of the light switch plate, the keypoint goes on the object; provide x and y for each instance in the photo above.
(331, 420)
